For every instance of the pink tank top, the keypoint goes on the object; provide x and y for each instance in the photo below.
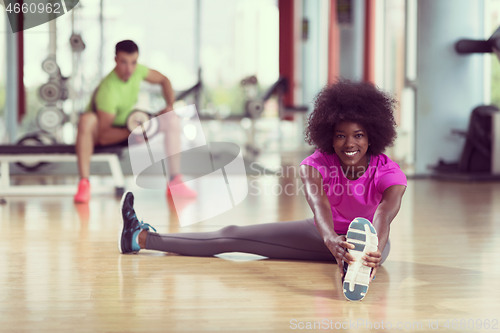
(355, 198)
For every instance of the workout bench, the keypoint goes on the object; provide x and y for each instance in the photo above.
(55, 153)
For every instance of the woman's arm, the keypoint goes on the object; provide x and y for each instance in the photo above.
(385, 213)
(320, 206)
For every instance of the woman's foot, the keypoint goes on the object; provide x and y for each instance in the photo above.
(356, 278)
(128, 242)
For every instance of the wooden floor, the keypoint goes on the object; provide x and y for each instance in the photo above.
(60, 269)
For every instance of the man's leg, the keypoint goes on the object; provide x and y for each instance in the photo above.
(86, 139)
(170, 126)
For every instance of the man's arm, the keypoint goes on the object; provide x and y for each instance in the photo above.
(156, 77)
(107, 134)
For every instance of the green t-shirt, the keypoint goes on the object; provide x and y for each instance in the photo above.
(116, 96)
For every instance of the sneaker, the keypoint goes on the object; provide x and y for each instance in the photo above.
(127, 242)
(356, 279)
(180, 189)
(83, 193)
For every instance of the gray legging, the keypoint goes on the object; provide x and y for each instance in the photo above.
(296, 240)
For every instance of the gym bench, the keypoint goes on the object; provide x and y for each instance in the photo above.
(56, 153)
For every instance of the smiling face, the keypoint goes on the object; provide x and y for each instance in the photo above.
(126, 64)
(350, 142)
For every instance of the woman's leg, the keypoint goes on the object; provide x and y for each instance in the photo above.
(299, 240)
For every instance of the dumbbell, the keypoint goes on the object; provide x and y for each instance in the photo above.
(147, 122)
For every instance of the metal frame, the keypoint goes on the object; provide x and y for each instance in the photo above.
(7, 189)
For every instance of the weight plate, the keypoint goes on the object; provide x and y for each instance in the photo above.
(77, 43)
(50, 66)
(50, 92)
(255, 108)
(137, 118)
(35, 139)
(49, 118)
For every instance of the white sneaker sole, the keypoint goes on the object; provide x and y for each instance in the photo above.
(363, 236)
(120, 232)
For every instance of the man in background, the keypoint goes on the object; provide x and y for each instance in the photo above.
(114, 99)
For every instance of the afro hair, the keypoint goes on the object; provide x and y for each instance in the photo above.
(359, 102)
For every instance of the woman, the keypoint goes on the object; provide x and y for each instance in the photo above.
(347, 178)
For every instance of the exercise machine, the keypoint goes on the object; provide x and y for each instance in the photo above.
(480, 158)
(254, 107)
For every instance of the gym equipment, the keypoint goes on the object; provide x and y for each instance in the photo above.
(76, 42)
(49, 66)
(477, 154)
(468, 46)
(34, 139)
(148, 122)
(50, 117)
(479, 158)
(151, 125)
(481, 154)
(194, 90)
(33, 154)
(50, 92)
(254, 106)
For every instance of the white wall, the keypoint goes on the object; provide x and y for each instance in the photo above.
(449, 85)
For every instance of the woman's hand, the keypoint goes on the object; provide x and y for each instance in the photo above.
(338, 246)
(372, 259)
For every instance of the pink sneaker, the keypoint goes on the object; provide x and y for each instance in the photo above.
(83, 193)
(179, 205)
(181, 190)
